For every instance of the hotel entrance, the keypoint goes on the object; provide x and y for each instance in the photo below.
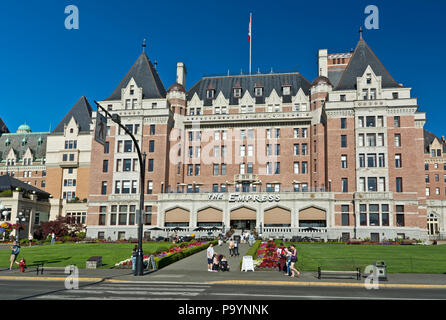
(243, 219)
(243, 224)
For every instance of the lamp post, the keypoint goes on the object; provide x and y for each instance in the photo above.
(19, 218)
(139, 270)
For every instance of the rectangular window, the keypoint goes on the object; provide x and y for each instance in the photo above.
(399, 184)
(152, 146)
(382, 184)
(304, 132)
(361, 122)
(396, 121)
(381, 160)
(400, 216)
(343, 123)
(197, 169)
(362, 214)
(150, 165)
(149, 187)
(373, 215)
(343, 141)
(362, 160)
(344, 161)
(397, 139)
(345, 215)
(371, 139)
(190, 169)
(105, 166)
(277, 168)
(361, 140)
(215, 169)
(344, 185)
(223, 169)
(126, 186)
(372, 184)
(371, 160)
(384, 214)
(398, 160)
(380, 121)
(370, 121)
(152, 129)
(127, 165)
(107, 147)
(380, 141)
(128, 144)
(304, 167)
(296, 132)
(296, 149)
(296, 167)
(304, 149)
(104, 187)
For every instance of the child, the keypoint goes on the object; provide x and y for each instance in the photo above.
(215, 263)
(224, 264)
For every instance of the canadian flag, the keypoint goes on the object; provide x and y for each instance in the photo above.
(249, 34)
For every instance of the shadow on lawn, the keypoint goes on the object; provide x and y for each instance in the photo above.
(50, 261)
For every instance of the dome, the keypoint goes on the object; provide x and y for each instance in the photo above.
(176, 87)
(321, 80)
(24, 128)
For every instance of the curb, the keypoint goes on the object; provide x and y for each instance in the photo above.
(49, 278)
(328, 284)
(242, 282)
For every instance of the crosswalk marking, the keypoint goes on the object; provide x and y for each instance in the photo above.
(115, 291)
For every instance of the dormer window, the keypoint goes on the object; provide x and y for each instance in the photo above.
(369, 78)
(210, 93)
(258, 91)
(395, 95)
(237, 92)
(132, 90)
(286, 90)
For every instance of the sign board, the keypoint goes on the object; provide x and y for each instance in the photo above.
(248, 263)
(236, 197)
(100, 132)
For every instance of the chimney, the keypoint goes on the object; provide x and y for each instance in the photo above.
(181, 74)
(323, 62)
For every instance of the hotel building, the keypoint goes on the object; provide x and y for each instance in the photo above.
(274, 152)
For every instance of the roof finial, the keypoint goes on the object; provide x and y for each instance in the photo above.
(156, 64)
(144, 45)
(360, 33)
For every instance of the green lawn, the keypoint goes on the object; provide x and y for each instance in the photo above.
(398, 258)
(61, 255)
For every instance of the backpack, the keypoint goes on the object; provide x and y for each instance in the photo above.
(17, 250)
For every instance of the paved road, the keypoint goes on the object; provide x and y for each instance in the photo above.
(137, 290)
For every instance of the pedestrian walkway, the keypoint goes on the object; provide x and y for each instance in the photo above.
(193, 269)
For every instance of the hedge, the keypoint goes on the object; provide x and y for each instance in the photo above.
(165, 261)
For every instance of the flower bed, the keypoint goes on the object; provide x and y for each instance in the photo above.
(162, 254)
(267, 255)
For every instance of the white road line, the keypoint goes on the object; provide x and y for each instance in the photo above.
(64, 297)
(148, 293)
(130, 289)
(312, 297)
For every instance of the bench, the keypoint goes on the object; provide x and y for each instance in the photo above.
(356, 273)
(40, 269)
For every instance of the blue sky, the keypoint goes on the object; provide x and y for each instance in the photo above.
(46, 68)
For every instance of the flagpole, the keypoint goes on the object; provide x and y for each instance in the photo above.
(250, 40)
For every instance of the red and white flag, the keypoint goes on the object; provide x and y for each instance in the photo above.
(249, 34)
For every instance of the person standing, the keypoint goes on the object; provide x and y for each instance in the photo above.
(293, 259)
(215, 263)
(210, 256)
(135, 249)
(15, 250)
(236, 243)
(30, 239)
(53, 238)
(231, 247)
(281, 254)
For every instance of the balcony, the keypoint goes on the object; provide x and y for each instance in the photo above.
(246, 177)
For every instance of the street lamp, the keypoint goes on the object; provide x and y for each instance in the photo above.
(139, 268)
(18, 219)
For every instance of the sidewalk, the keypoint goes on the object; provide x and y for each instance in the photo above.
(193, 269)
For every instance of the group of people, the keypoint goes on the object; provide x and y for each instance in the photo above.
(233, 247)
(288, 259)
(216, 262)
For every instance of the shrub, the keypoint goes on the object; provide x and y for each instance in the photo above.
(165, 261)
(81, 235)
